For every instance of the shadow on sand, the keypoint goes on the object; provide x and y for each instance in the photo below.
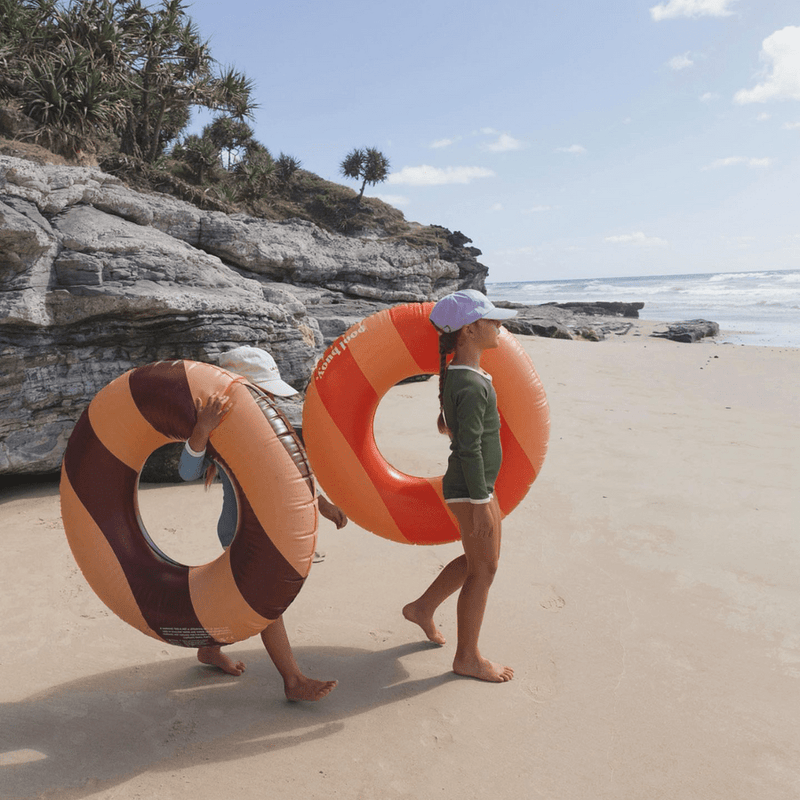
(92, 734)
(27, 487)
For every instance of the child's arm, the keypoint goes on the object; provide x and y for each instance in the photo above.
(331, 512)
(193, 461)
(209, 415)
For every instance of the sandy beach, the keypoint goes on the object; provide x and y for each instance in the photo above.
(648, 599)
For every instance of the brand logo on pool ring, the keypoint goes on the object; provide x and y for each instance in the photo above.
(346, 387)
(257, 577)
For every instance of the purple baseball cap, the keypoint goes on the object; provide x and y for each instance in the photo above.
(458, 309)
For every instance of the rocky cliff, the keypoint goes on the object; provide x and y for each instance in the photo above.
(96, 278)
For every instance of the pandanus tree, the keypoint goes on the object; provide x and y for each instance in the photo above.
(256, 170)
(93, 67)
(174, 72)
(22, 24)
(230, 136)
(367, 164)
(200, 156)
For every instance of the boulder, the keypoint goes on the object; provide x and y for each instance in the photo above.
(600, 308)
(537, 326)
(690, 331)
(591, 321)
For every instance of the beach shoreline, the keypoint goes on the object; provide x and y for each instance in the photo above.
(752, 307)
(647, 599)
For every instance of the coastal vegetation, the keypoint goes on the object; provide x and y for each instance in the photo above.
(113, 72)
(367, 163)
(116, 83)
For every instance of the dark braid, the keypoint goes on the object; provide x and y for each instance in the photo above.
(447, 344)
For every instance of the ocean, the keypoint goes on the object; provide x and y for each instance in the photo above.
(751, 308)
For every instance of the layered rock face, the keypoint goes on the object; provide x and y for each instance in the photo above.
(96, 278)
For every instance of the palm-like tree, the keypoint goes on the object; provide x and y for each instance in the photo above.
(230, 136)
(67, 93)
(95, 26)
(59, 68)
(368, 164)
(175, 72)
(200, 154)
(286, 166)
(89, 67)
(22, 24)
(170, 66)
(256, 170)
(232, 91)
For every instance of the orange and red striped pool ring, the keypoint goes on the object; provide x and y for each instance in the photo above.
(257, 577)
(346, 387)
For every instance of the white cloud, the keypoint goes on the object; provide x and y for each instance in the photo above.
(496, 207)
(637, 238)
(442, 143)
(708, 97)
(680, 62)
(763, 117)
(782, 50)
(392, 199)
(791, 126)
(575, 149)
(426, 175)
(504, 144)
(691, 8)
(735, 161)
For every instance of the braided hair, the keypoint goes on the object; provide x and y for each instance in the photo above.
(447, 345)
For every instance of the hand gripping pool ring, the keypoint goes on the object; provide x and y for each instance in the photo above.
(257, 577)
(346, 387)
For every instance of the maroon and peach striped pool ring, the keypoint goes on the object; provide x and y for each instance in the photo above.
(346, 387)
(257, 577)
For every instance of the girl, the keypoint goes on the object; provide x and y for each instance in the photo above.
(467, 324)
(259, 367)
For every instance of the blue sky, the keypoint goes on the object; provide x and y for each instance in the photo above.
(567, 139)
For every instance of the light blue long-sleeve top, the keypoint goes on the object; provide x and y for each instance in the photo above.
(192, 466)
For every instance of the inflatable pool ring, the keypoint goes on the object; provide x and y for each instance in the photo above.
(343, 395)
(257, 577)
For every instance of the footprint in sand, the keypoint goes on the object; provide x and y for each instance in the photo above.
(551, 600)
(540, 680)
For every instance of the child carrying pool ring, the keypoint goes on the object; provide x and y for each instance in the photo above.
(253, 582)
(342, 398)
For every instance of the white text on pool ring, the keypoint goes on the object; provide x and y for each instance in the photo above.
(335, 351)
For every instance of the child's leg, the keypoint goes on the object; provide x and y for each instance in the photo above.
(448, 581)
(296, 685)
(482, 554)
(214, 656)
(226, 528)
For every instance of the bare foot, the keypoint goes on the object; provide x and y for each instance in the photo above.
(414, 614)
(303, 688)
(483, 670)
(216, 658)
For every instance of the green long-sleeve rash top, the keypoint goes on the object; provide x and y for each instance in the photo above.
(470, 410)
